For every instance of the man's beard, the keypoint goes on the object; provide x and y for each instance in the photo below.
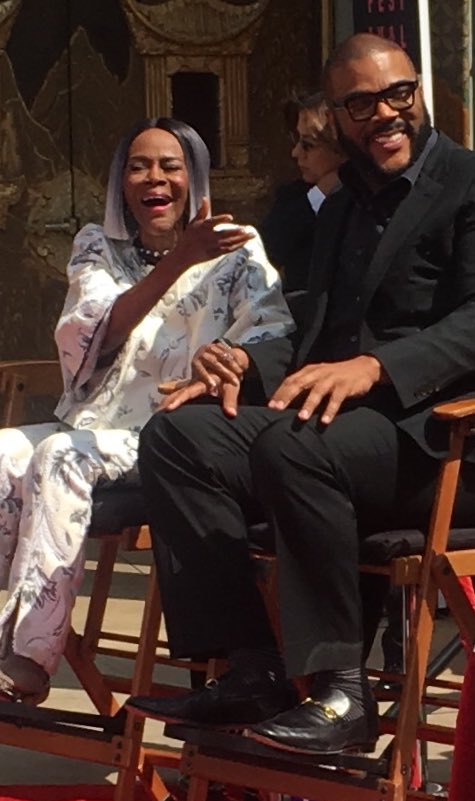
(365, 163)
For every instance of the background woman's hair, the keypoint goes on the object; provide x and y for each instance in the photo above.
(315, 103)
(117, 224)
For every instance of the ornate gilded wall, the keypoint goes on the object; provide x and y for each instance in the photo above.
(451, 59)
(66, 97)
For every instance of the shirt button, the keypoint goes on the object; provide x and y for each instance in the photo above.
(354, 338)
(358, 298)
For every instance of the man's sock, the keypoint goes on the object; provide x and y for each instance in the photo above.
(352, 681)
(257, 664)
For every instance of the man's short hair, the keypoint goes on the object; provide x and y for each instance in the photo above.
(355, 47)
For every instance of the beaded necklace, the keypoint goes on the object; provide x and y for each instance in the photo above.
(147, 255)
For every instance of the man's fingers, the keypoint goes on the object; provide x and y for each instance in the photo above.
(331, 410)
(310, 404)
(290, 389)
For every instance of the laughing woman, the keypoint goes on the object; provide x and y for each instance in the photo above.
(160, 282)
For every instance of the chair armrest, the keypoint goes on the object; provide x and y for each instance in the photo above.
(455, 410)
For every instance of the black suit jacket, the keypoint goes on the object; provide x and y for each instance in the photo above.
(417, 297)
(288, 231)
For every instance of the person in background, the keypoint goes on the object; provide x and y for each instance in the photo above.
(152, 293)
(288, 229)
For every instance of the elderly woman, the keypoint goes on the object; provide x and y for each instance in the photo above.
(150, 292)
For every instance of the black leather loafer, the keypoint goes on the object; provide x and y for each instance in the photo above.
(226, 701)
(321, 726)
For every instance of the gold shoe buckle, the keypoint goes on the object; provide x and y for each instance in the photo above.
(327, 710)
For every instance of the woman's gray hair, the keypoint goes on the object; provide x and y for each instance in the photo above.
(120, 225)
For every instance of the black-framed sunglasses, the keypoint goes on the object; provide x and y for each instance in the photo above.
(307, 143)
(362, 106)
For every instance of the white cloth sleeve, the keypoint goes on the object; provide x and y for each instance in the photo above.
(92, 292)
(256, 303)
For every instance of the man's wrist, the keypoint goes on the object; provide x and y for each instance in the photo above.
(380, 374)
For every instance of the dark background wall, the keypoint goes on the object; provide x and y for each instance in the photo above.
(71, 83)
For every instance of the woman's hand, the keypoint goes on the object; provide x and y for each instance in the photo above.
(204, 238)
(226, 392)
(219, 360)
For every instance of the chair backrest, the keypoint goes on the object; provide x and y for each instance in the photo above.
(21, 380)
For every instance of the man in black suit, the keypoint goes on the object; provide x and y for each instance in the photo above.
(346, 443)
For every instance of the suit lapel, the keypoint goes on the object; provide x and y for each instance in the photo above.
(406, 218)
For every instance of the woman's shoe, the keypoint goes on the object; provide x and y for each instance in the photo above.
(22, 679)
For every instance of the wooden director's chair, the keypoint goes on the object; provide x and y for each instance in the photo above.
(444, 556)
(111, 736)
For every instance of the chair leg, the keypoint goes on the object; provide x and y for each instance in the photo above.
(197, 789)
(141, 683)
(80, 649)
(458, 600)
(99, 594)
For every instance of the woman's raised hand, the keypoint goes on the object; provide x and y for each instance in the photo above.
(206, 238)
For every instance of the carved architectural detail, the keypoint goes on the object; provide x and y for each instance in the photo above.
(186, 22)
(8, 11)
(210, 36)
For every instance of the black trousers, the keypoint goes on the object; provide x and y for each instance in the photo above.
(206, 477)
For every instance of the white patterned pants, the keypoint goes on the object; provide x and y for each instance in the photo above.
(47, 474)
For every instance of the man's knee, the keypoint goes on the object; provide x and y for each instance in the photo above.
(282, 446)
(185, 431)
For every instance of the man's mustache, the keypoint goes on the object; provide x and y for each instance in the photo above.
(396, 126)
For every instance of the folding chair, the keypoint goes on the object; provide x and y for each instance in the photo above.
(446, 555)
(111, 737)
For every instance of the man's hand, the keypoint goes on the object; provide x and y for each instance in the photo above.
(218, 359)
(227, 392)
(336, 381)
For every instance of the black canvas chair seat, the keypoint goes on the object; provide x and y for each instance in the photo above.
(382, 547)
(116, 507)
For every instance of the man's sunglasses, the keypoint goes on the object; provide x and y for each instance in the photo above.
(363, 106)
